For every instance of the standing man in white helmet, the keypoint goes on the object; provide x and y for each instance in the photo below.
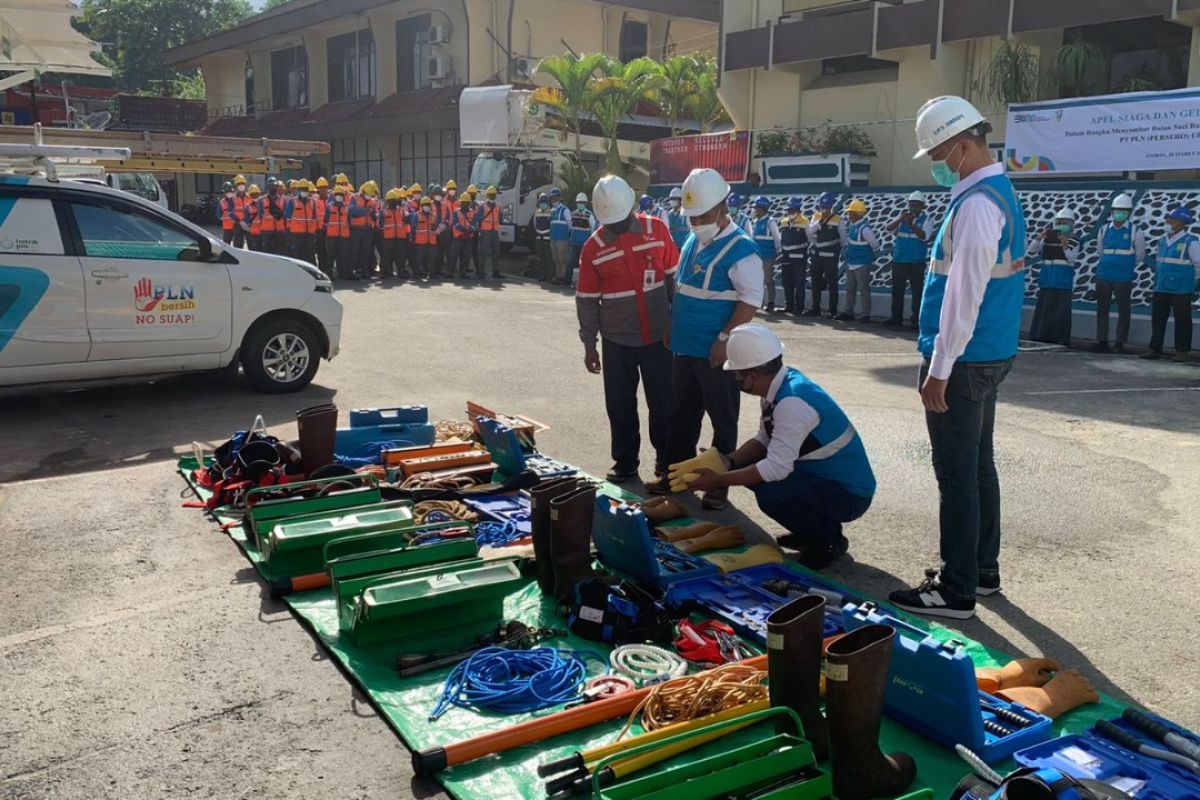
(970, 322)
(1058, 247)
(807, 465)
(1122, 247)
(626, 278)
(718, 287)
(583, 224)
(914, 232)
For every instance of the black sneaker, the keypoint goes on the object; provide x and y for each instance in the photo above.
(933, 599)
(1151, 354)
(845, 316)
(988, 585)
(812, 312)
(620, 474)
(1118, 348)
(818, 557)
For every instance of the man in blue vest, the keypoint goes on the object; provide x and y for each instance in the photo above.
(719, 286)
(793, 256)
(736, 213)
(970, 321)
(765, 231)
(560, 234)
(1176, 271)
(676, 222)
(914, 232)
(807, 465)
(859, 253)
(1122, 247)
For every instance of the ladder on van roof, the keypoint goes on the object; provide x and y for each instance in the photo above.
(38, 157)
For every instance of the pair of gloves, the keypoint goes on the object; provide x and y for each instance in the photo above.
(701, 536)
(682, 474)
(1039, 684)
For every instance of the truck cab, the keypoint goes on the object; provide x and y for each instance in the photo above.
(518, 178)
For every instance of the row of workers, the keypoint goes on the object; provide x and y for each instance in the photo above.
(351, 234)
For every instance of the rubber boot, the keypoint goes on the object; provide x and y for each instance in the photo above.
(571, 539)
(318, 436)
(794, 664)
(856, 678)
(539, 521)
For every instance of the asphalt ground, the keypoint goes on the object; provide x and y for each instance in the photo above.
(141, 658)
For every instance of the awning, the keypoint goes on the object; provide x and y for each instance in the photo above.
(36, 36)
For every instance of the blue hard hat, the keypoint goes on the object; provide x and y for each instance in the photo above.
(826, 200)
(794, 204)
(556, 192)
(761, 202)
(1182, 214)
(645, 202)
(735, 200)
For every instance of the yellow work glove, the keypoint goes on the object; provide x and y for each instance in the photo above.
(685, 472)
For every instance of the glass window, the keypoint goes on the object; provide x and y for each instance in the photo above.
(536, 175)
(114, 231)
(844, 64)
(500, 172)
(633, 39)
(351, 72)
(140, 183)
(413, 51)
(289, 78)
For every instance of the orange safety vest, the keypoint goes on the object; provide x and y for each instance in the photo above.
(424, 231)
(448, 208)
(395, 224)
(462, 218)
(304, 217)
(338, 226)
(365, 221)
(229, 212)
(270, 224)
(321, 204)
(255, 218)
(490, 220)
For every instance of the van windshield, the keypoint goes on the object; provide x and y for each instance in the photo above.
(492, 171)
(140, 183)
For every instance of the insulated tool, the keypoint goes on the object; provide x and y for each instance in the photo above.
(511, 634)
(1136, 745)
(435, 759)
(1159, 732)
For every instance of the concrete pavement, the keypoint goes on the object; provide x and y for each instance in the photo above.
(141, 658)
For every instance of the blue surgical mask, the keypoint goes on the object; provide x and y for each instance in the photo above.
(543, 206)
(1121, 216)
(1063, 229)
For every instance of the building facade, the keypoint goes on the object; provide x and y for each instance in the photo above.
(802, 63)
(380, 79)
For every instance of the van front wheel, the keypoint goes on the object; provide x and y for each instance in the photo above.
(280, 356)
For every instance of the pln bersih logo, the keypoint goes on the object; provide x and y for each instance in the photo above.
(149, 296)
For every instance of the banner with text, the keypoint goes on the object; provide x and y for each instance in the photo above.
(1140, 131)
(673, 158)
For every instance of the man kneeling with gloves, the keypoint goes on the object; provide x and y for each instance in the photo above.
(806, 465)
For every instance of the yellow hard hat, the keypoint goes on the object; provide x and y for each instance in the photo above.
(367, 189)
(450, 184)
(340, 189)
(857, 206)
(238, 179)
(426, 201)
(416, 187)
(341, 178)
(392, 194)
(492, 190)
(473, 189)
(292, 183)
(254, 189)
(322, 183)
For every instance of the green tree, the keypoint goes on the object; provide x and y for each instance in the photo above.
(570, 98)
(705, 105)
(136, 33)
(615, 95)
(273, 3)
(674, 97)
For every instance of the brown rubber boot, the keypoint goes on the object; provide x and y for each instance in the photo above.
(539, 522)
(794, 665)
(571, 539)
(318, 434)
(856, 676)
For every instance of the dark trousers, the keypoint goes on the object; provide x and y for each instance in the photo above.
(1052, 317)
(320, 252)
(795, 272)
(227, 235)
(300, 245)
(825, 277)
(423, 260)
(340, 254)
(254, 242)
(1105, 292)
(1161, 308)
(443, 251)
(621, 367)
(545, 259)
(813, 509)
(460, 257)
(489, 250)
(389, 265)
(274, 242)
(697, 389)
(965, 467)
(914, 276)
(573, 253)
(362, 239)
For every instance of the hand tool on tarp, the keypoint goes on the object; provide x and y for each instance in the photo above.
(512, 634)
(435, 759)
(1159, 732)
(1133, 744)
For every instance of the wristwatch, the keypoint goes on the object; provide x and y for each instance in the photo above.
(722, 337)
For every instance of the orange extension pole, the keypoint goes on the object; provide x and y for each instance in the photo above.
(435, 759)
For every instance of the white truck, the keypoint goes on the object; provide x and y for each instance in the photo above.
(522, 157)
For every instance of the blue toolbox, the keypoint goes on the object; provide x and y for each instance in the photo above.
(623, 540)
(401, 415)
(743, 606)
(512, 508)
(932, 689)
(352, 439)
(510, 459)
(1098, 756)
(787, 584)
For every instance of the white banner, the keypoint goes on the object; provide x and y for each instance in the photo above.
(1140, 131)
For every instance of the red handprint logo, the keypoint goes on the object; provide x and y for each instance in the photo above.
(143, 299)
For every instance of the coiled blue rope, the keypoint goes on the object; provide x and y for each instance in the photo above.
(497, 534)
(513, 681)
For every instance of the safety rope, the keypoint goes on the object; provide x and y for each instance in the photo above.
(513, 681)
(498, 534)
(428, 511)
(695, 696)
(448, 429)
(427, 480)
(646, 663)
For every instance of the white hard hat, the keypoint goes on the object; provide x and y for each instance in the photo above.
(702, 190)
(581, 197)
(1065, 213)
(917, 197)
(1122, 200)
(751, 345)
(676, 192)
(614, 199)
(943, 118)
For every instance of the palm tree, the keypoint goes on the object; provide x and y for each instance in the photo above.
(705, 105)
(674, 97)
(616, 94)
(570, 100)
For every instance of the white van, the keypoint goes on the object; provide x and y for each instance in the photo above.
(143, 184)
(98, 284)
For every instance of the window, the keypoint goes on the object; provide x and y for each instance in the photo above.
(28, 229)
(351, 65)
(361, 160)
(435, 156)
(412, 53)
(289, 78)
(536, 175)
(1133, 55)
(115, 231)
(633, 39)
(248, 71)
(140, 183)
(491, 171)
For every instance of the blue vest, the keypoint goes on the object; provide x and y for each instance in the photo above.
(909, 249)
(858, 253)
(680, 229)
(763, 239)
(999, 322)
(1174, 273)
(560, 223)
(793, 237)
(833, 450)
(1057, 271)
(1118, 262)
(704, 294)
(742, 220)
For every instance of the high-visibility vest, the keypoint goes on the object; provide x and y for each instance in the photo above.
(338, 226)
(364, 221)
(270, 224)
(229, 213)
(304, 217)
(393, 223)
(423, 231)
(461, 218)
(448, 208)
(322, 203)
(489, 217)
(255, 218)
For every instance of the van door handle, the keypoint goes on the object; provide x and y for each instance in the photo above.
(110, 272)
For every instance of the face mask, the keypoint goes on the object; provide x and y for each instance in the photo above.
(339, 199)
(1121, 216)
(706, 233)
(581, 207)
(229, 194)
(491, 201)
(618, 228)
(241, 190)
(1063, 229)
(544, 206)
(943, 174)
(675, 203)
(304, 195)
(452, 193)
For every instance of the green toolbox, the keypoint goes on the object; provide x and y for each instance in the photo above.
(378, 522)
(297, 546)
(307, 497)
(422, 602)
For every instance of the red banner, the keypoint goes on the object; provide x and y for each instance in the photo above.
(673, 158)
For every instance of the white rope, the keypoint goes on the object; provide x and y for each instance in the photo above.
(647, 663)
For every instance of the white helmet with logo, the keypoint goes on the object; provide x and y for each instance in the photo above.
(917, 197)
(614, 199)
(1065, 213)
(702, 190)
(581, 197)
(943, 118)
(751, 345)
(1123, 200)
